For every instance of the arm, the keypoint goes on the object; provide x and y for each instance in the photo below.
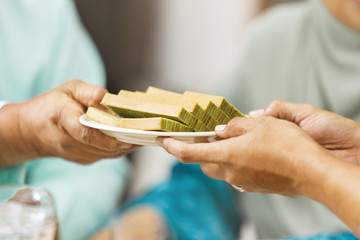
(269, 155)
(339, 191)
(47, 125)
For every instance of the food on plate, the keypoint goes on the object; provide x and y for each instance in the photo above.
(162, 110)
(190, 106)
(214, 114)
(139, 108)
(147, 124)
(219, 101)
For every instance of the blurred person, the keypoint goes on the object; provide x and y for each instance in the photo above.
(314, 153)
(307, 52)
(42, 45)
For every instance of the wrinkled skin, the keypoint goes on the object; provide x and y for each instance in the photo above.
(257, 154)
(288, 149)
(48, 125)
(336, 133)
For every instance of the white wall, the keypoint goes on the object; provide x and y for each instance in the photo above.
(195, 41)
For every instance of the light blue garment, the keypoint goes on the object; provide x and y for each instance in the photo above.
(298, 53)
(43, 44)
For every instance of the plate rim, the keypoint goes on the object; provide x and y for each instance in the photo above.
(84, 120)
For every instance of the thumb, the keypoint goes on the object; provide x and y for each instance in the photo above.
(84, 93)
(292, 112)
(236, 127)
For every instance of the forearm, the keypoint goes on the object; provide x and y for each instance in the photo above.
(13, 149)
(337, 187)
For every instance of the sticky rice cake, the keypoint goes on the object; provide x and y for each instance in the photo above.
(147, 124)
(214, 116)
(190, 106)
(219, 101)
(137, 108)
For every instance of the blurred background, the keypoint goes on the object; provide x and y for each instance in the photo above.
(176, 45)
(169, 43)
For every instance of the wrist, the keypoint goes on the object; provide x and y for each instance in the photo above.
(13, 147)
(323, 178)
(316, 173)
(336, 187)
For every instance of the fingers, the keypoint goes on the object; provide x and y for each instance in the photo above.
(84, 93)
(236, 127)
(282, 110)
(69, 145)
(85, 156)
(88, 144)
(285, 110)
(81, 153)
(193, 153)
(88, 136)
(213, 170)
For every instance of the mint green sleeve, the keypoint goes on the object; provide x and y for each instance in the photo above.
(84, 195)
(13, 175)
(72, 54)
(69, 52)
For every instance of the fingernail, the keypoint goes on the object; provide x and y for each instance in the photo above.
(159, 142)
(219, 128)
(256, 113)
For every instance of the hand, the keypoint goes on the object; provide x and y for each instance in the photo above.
(264, 154)
(48, 125)
(340, 135)
(140, 223)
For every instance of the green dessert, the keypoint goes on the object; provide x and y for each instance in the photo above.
(148, 124)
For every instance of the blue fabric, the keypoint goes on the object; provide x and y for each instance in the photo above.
(194, 205)
(340, 236)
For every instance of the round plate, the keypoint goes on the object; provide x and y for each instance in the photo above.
(140, 137)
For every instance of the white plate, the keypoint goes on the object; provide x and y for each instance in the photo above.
(140, 137)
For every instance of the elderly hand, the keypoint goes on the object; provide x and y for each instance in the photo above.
(338, 134)
(48, 125)
(264, 154)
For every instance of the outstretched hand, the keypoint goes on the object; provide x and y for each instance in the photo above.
(288, 149)
(48, 125)
(264, 154)
(338, 134)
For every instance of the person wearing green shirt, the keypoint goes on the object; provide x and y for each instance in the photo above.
(42, 46)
